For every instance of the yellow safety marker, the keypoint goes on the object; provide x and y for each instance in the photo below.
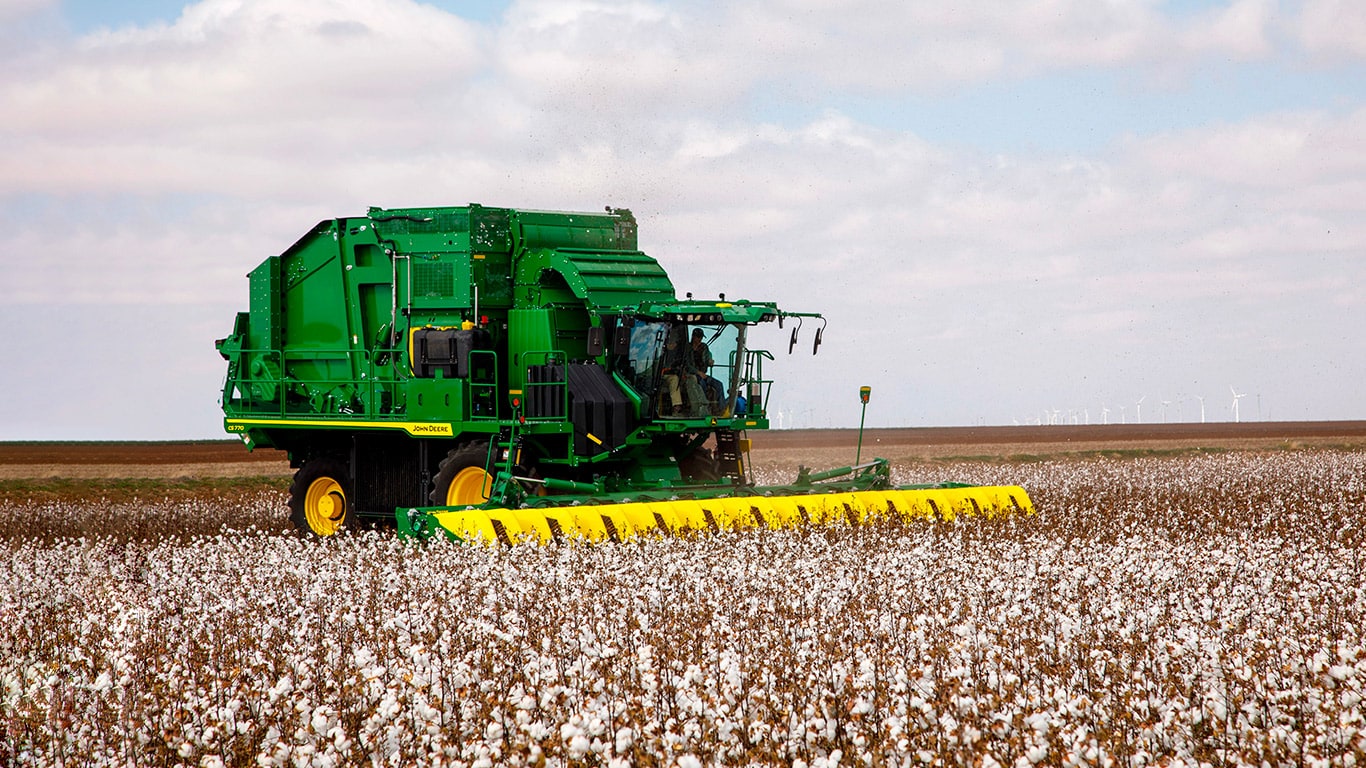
(692, 515)
(641, 519)
(785, 513)
(678, 516)
(560, 521)
(481, 524)
(534, 525)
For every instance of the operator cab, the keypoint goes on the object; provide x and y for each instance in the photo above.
(682, 369)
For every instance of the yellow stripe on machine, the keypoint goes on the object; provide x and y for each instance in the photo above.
(414, 428)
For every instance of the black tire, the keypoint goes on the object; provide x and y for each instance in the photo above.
(699, 467)
(461, 478)
(320, 498)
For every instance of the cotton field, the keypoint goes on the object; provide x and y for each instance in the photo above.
(1203, 609)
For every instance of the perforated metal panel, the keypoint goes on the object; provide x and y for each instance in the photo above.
(433, 279)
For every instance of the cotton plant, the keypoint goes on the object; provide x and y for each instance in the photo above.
(1187, 610)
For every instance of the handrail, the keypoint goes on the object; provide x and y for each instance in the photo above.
(483, 401)
(752, 381)
(545, 405)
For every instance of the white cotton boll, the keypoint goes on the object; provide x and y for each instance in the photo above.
(1037, 754)
(568, 731)
(339, 739)
(625, 738)
(689, 761)
(579, 746)
(281, 688)
(1216, 708)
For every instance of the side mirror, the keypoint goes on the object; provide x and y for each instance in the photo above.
(817, 345)
(792, 344)
(595, 340)
(621, 341)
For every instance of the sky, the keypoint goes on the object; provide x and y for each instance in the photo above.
(1035, 211)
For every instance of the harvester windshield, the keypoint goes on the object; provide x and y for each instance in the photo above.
(684, 369)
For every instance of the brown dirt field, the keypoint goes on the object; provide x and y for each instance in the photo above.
(85, 461)
(816, 448)
(922, 444)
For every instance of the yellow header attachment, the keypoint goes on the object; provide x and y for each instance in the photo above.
(621, 522)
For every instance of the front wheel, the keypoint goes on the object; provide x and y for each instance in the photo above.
(318, 503)
(461, 479)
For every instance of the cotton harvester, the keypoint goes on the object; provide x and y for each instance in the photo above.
(503, 373)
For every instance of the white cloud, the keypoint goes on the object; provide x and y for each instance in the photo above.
(157, 165)
(1333, 29)
(11, 10)
(1295, 151)
(1240, 30)
(232, 84)
(878, 46)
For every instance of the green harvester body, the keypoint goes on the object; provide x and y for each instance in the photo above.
(480, 371)
(377, 347)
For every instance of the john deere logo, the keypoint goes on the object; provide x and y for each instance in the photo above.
(429, 429)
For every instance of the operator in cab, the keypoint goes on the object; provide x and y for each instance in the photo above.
(701, 363)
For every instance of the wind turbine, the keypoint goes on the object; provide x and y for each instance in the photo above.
(1138, 410)
(1165, 403)
(1104, 414)
(1236, 398)
(1202, 408)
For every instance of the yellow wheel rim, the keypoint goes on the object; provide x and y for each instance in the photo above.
(470, 485)
(325, 506)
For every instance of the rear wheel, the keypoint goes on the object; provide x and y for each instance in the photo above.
(461, 479)
(318, 502)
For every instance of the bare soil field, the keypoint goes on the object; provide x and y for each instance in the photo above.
(913, 445)
(225, 459)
